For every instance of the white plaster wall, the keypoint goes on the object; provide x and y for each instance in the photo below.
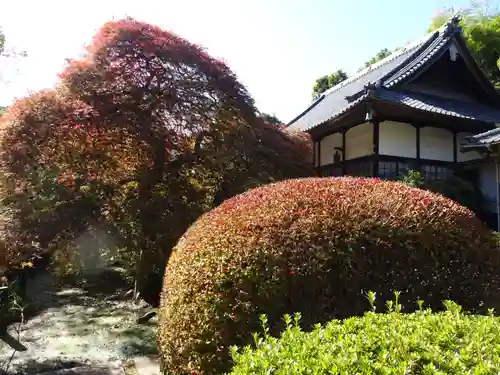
(487, 184)
(328, 145)
(397, 139)
(436, 144)
(469, 155)
(359, 141)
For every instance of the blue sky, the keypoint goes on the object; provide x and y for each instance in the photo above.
(276, 47)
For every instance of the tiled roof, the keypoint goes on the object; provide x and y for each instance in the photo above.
(335, 100)
(426, 56)
(443, 106)
(491, 137)
(383, 74)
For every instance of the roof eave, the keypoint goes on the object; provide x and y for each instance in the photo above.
(421, 46)
(339, 116)
(314, 104)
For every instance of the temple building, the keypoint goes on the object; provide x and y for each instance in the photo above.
(414, 109)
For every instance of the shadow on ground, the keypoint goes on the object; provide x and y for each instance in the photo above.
(87, 321)
(46, 292)
(140, 340)
(35, 368)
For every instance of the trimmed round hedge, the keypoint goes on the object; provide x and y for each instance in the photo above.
(314, 246)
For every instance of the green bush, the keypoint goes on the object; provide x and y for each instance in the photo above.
(12, 302)
(312, 246)
(456, 187)
(423, 342)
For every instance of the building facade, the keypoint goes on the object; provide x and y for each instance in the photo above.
(411, 110)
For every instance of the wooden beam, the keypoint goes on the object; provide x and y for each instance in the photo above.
(399, 159)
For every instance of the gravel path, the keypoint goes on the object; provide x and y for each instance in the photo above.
(77, 326)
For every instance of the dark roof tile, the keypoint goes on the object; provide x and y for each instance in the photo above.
(444, 106)
(385, 74)
(336, 100)
(491, 137)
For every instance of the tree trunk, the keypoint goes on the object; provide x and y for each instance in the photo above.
(148, 219)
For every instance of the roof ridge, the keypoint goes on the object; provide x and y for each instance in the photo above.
(488, 132)
(311, 106)
(413, 44)
(344, 94)
(436, 45)
(377, 65)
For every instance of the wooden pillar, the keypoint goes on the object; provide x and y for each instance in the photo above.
(455, 151)
(343, 152)
(376, 143)
(315, 161)
(319, 157)
(418, 147)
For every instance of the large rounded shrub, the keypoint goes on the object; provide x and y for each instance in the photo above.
(314, 246)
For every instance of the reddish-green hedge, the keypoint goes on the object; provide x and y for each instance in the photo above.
(313, 246)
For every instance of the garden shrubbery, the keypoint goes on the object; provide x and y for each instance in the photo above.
(448, 342)
(313, 246)
(456, 187)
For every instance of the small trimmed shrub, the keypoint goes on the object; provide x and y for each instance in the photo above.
(423, 342)
(313, 246)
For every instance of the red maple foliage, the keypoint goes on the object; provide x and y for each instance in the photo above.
(144, 133)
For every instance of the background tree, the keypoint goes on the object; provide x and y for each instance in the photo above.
(326, 82)
(7, 254)
(2, 41)
(271, 118)
(382, 54)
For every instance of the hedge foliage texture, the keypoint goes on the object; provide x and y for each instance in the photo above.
(423, 342)
(314, 246)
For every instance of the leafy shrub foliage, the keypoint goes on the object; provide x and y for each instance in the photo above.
(423, 342)
(312, 246)
(456, 187)
(141, 135)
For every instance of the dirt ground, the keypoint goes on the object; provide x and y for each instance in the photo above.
(90, 323)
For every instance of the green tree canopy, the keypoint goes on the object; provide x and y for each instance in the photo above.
(271, 118)
(2, 41)
(328, 81)
(382, 54)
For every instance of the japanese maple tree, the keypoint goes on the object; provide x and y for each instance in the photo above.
(151, 130)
